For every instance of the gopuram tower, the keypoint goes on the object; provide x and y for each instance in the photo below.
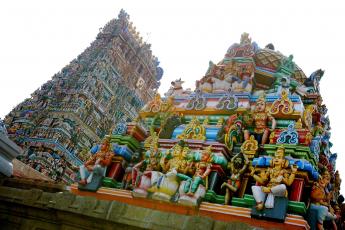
(82, 103)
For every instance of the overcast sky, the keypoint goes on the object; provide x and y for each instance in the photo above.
(38, 38)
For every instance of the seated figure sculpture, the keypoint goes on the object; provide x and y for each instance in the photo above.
(320, 201)
(97, 164)
(142, 181)
(260, 118)
(273, 181)
(192, 189)
(168, 183)
(238, 165)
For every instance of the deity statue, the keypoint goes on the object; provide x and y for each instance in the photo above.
(97, 164)
(273, 181)
(178, 161)
(168, 183)
(320, 200)
(127, 177)
(260, 118)
(238, 165)
(192, 189)
(142, 181)
(202, 170)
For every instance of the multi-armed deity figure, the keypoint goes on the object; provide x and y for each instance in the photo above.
(273, 181)
(97, 164)
(260, 118)
(237, 166)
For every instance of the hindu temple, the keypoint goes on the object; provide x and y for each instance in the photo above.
(67, 115)
(248, 148)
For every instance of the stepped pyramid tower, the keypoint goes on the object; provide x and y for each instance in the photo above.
(252, 141)
(107, 83)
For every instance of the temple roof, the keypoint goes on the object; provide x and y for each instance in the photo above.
(271, 59)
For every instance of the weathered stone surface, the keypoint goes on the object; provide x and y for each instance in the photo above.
(233, 226)
(38, 209)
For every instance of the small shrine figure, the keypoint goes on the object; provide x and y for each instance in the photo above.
(238, 165)
(178, 161)
(320, 200)
(97, 164)
(260, 118)
(168, 183)
(273, 181)
(202, 170)
(192, 190)
(142, 181)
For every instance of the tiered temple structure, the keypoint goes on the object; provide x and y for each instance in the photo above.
(108, 83)
(251, 142)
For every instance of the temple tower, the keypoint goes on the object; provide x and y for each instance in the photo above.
(81, 104)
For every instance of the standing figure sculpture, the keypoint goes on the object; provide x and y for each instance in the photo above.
(260, 118)
(238, 165)
(97, 164)
(143, 181)
(320, 200)
(273, 181)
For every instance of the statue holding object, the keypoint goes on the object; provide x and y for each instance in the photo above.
(97, 164)
(320, 200)
(173, 164)
(202, 170)
(260, 118)
(193, 189)
(273, 181)
(142, 181)
(238, 165)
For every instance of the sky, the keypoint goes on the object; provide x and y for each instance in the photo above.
(39, 38)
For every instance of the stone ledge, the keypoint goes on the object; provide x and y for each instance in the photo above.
(30, 209)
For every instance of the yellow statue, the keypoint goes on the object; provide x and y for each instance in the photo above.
(260, 118)
(178, 160)
(273, 181)
(168, 183)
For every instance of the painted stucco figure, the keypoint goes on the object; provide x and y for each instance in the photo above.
(273, 181)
